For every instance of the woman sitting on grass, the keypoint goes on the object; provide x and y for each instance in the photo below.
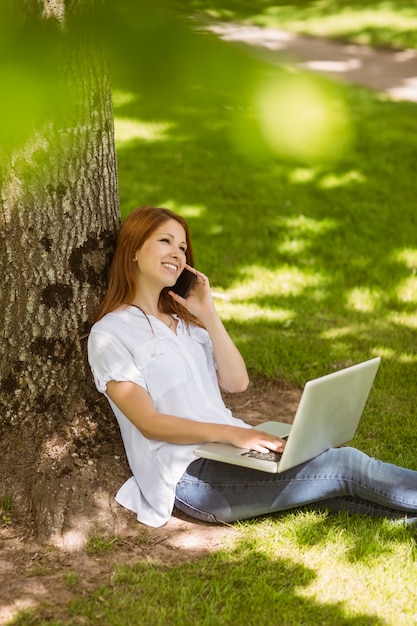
(161, 360)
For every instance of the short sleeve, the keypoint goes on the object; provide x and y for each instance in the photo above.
(110, 359)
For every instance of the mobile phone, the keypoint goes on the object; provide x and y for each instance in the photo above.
(184, 283)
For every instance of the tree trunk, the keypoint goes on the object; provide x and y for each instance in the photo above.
(58, 214)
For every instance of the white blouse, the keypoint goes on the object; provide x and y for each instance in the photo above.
(179, 373)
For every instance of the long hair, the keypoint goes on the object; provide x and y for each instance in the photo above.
(134, 231)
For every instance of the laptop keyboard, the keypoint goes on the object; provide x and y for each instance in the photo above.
(271, 455)
(264, 456)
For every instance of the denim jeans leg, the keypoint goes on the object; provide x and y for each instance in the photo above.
(339, 479)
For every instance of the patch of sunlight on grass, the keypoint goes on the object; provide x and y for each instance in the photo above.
(353, 578)
(216, 229)
(218, 14)
(292, 246)
(363, 299)
(186, 210)
(407, 257)
(394, 355)
(239, 311)
(337, 333)
(345, 21)
(375, 556)
(283, 281)
(121, 98)
(302, 224)
(297, 227)
(359, 19)
(356, 330)
(331, 181)
(126, 130)
(403, 319)
(384, 352)
(302, 175)
(407, 359)
(407, 290)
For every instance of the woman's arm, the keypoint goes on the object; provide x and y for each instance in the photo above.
(231, 368)
(136, 404)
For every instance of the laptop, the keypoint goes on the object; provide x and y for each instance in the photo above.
(327, 417)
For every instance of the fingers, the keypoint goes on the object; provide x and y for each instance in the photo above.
(254, 439)
(276, 444)
(201, 278)
(258, 448)
(176, 297)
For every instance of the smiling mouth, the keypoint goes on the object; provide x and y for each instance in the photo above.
(170, 266)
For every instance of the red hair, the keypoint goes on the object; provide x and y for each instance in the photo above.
(137, 227)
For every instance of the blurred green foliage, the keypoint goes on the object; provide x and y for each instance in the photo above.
(157, 50)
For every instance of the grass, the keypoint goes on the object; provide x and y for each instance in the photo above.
(316, 266)
(100, 546)
(278, 573)
(385, 23)
(298, 568)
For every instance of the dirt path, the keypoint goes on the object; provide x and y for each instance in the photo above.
(393, 72)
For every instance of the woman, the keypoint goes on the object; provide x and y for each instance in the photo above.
(161, 360)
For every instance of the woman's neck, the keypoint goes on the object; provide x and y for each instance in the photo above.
(148, 310)
(148, 302)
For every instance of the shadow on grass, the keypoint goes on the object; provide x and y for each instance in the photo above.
(225, 588)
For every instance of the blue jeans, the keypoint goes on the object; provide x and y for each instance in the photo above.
(339, 479)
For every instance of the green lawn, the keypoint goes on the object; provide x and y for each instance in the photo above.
(315, 267)
(391, 23)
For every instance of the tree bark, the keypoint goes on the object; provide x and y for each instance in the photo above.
(59, 214)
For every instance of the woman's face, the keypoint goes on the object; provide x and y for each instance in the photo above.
(162, 257)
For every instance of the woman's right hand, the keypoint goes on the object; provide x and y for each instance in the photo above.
(138, 407)
(254, 439)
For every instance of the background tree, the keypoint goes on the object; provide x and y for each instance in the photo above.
(59, 211)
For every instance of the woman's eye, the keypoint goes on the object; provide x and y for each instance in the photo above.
(166, 240)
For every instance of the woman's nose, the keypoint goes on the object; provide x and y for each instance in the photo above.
(176, 252)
